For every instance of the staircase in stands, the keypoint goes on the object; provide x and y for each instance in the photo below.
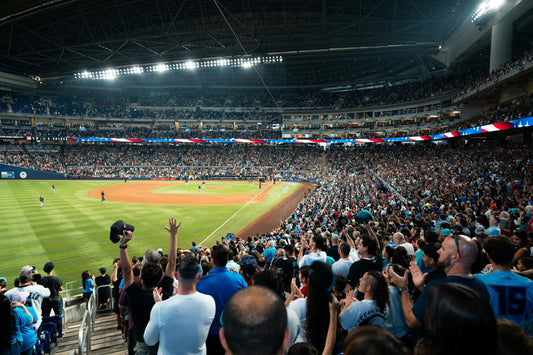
(106, 339)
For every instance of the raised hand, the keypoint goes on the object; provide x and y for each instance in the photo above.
(350, 298)
(333, 305)
(295, 291)
(173, 229)
(397, 280)
(158, 294)
(126, 237)
(419, 277)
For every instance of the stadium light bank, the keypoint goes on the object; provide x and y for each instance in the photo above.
(114, 73)
(485, 11)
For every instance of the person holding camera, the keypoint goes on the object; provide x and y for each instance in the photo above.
(87, 281)
(138, 296)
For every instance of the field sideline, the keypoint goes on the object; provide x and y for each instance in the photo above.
(72, 229)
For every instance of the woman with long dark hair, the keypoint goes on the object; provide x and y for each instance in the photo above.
(458, 321)
(87, 281)
(318, 298)
(313, 311)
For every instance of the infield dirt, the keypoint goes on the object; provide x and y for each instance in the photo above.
(140, 192)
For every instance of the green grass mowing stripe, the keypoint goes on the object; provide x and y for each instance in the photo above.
(72, 230)
(210, 189)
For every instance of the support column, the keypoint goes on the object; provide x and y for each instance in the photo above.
(501, 44)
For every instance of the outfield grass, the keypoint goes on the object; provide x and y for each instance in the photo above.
(211, 188)
(72, 229)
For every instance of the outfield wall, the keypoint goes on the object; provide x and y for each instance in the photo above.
(9, 172)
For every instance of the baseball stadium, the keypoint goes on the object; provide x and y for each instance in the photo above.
(177, 176)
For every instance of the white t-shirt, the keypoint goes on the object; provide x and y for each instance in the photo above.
(409, 247)
(299, 306)
(36, 293)
(354, 255)
(341, 267)
(312, 257)
(181, 323)
(293, 323)
(361, 310)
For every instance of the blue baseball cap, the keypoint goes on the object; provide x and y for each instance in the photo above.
(445, 232)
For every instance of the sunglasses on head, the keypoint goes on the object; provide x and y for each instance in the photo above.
(457, 244)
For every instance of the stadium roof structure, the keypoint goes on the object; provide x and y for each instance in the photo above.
(322, 42)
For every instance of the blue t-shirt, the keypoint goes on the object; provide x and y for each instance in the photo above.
(511, 295)
(269, 254)
(23, 322)
(220, 284)
(419, 308)
(88, 285)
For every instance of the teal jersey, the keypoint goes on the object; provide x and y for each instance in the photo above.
(511, 295)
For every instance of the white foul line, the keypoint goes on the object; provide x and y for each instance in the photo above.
(240, 209)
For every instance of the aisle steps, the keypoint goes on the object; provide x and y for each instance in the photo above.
(106, 339)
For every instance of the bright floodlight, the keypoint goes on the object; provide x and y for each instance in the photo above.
(485, 8)
(110, 74)
(189, 65)
(161, 68)
(496, 4)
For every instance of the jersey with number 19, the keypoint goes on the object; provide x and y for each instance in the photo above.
(511, 295)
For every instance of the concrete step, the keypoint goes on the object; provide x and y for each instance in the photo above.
(106, 339)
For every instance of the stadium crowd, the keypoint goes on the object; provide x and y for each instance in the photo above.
(223, 110)
(386, 126)
(478, 79)
(180, 162)
(400, 249)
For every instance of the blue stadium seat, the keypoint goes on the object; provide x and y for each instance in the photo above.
(52, 331)
(58, 321)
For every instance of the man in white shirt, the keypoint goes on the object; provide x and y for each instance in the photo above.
(181, 323)
(316, 245)
(37, 292)
(342, 266)
(399, 239)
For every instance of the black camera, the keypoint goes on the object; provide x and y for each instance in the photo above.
(117, 229)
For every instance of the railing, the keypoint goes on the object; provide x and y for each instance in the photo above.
(87, 326)
(70, 288)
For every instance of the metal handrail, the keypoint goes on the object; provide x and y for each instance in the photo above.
(67, 294)
(68, 285)
(71, 287)
(87, 326)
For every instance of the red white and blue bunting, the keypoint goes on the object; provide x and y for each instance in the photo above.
(515, 124)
